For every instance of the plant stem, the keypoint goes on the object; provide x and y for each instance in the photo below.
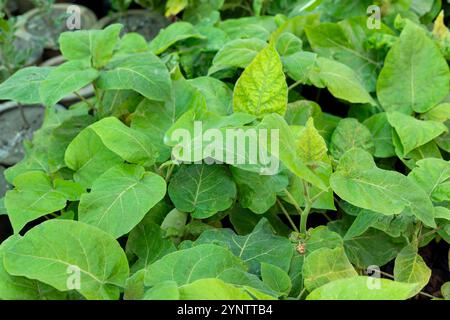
(169, 172)
(84, 100)
(294, 202)
(304, 218)
(295, 84)
(283, 209)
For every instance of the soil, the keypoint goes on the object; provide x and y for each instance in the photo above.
(50, 27)
(3, 184)
(15, 130)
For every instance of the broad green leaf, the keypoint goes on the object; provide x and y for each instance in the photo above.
(381, 131)
(134, 287)
(299, 65)
(287, 150)
(147, 242)
(58, 249)
(350, 134)
(141, 72)
(166, 290)
(261, 89)
(130, 144)
(412, 132)
(216, 289)
(21, 288)
(174, 223)
(363, 288)
(322, 237)
(237, 53)
(288, 43)
(345, 42)
(325, 265)
(312, 148)
(410, 267)
(132, 43)
(340, 80)
(218, 95)
(89, 157)
(261, 245)
(358, 180)
(258, 192)
(277, 279)
(120, 198)
(95, 45)
(403, 84)
(23, 86)
(66, 79)
(249, 27)
(172, 34)
(373, 247)
(433, 175)
(155, 118)
(173, 7)
(202, 190)
(35, 195)
(188, 265)
(440, 113)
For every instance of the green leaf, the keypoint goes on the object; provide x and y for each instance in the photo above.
(288, 150)
(403, 84)
(147, 242)
(23, 86)
(202, 190)
(357, 180)
(311, 146)
(218, 95)
(412, 132)
(166, 290)
(141, 72)
(276, 278)
(358, 288)
(440, 113)
(55, 250)
(288, 43)
(89, 157)
(326, 265)
(261, 89)
(344, 42)
(258, 192)
(261, 245)
(66, 79)
(120, 198)
(188, 265)
(175, 32)
(237, 53)
(340, 80)
(433, 176)
(95, 45)
(21, 288)
(131, 145)
(381, 131)
(300, 65)
(35, 195)
(322, 237)
(373, 247)
(249, 27)
(445, 290)
(410, 267)
(350, 134)
(216, 289)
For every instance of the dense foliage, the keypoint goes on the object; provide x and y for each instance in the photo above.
(363, 117)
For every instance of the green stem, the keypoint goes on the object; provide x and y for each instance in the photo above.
(169, 172)
(294, 202)
(84, 100)
(304, 218)
(288, 217)
(295, 84)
